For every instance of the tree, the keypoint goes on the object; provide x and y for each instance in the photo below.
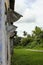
(24, 41)
(38, 34)
(24, 33)
(17, 41)
(37, 31)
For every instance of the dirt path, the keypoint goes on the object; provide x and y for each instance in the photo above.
(34, 50)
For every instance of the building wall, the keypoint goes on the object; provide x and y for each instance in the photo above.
(7, 3)
(7, 36)
(9, 19)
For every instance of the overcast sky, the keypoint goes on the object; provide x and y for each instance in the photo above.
(32, 11)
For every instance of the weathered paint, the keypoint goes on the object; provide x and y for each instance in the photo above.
(2, 34)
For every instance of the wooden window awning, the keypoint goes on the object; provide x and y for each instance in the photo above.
(13, 16)
(11, 28)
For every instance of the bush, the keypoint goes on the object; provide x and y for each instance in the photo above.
(33, 44)
(18, 47)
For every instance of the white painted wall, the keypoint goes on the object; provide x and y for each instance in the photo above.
(2, 33)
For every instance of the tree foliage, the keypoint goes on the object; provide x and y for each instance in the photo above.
(35, 39)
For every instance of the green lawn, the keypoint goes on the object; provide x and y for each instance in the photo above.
(24, 57)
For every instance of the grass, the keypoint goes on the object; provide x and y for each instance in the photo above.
(24, 57)
(38, 48)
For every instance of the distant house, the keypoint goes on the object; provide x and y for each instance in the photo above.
(11, 17)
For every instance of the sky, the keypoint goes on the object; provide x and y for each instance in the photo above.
(32, 11)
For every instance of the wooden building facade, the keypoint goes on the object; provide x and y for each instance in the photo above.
(11, 17)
